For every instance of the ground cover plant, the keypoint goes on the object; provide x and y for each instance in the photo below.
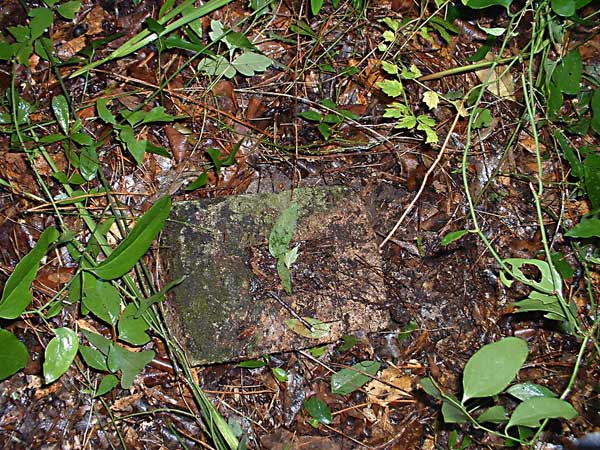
(470, 129)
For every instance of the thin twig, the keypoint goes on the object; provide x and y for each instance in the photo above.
(423, 184)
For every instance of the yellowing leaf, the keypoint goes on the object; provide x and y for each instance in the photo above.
(431, 99)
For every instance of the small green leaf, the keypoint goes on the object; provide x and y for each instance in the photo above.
(248, 63)
(290, 257)
(101, 298)
(60, 353)
(315, 6)
(280, 374)
(13, 354)
(283, 230)
(407, 122)
(595, 104)
(88, 163)
(396, 110)
(325, 130)
(431, 99)
(217, 66)
(480, 4)
(131, 329)
(318, 410)
(253, 363)
(139, 117)
(525, 391)
(390, 68)
(146, 303)
(129, 363)
(533, 410)
(349, 380)
(494, 414)
(567, 74)
(199, 182)
(69, 9)
(136, 147)
(348, 344)
(16, 295)
(128, 253)
(483, 118)
(587, 228)
(284, 275)
(41, 19)
(430, 388)
(453, 236)
(107, 384)
(317, 330)
(60, 106)
(93, 358)
(565, 8)
(491, 369)
(317, 352)
(591, 175)
(453, 414)
(104, 112)
(392, 88)
(409, 329)
(97, 340)
(310, 115)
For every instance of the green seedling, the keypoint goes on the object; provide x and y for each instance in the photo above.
(318, 411)
(328, 121)
(279, 241)
(488, 375)
(242, 56)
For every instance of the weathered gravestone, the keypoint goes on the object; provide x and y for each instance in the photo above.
(231, 305)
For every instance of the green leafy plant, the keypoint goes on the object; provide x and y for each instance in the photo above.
(327, 122)
(488, 375)
(242, 58)
(279, 241)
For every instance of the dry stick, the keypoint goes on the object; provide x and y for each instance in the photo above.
(423, 184)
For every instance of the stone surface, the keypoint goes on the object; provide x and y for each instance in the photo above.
(226, 309)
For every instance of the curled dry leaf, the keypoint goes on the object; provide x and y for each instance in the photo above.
(178, 142)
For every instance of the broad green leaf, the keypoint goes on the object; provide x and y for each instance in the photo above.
(107, 384)
(238, 40)
(139, 117)
(431, 136)
(525, 391)
(565, 8)
(60, 352)
(83, 139)
(100, 342)
(453, 236)
(538, 301)
(310, 115)
(317, 330)
(16, 295)
(325, 130)
(318, 410)
(430, 388)
(491, 369)
(101, 298)
(217, 66)
(392, 88)
(41, 19)
(591, 175)
(483, 118)
(349, 380)
(390, 68)
(453, 414)
(549, 283)
(532, 411)
(136, 147)
(567, 74)
(69, 9)
(495, 414)
(129, 363)
(587, 228)
(60, 106)
(104, 112)
(129, 251)
(315, 6)
(248, 63)
(283, 230)
(280, 374)
(284, 275)
(132, 329)
(407, 122)
(480, 4)
(562, 265)
(93, 358)
(13, 354)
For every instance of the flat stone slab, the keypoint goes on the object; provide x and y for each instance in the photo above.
(229, 307)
